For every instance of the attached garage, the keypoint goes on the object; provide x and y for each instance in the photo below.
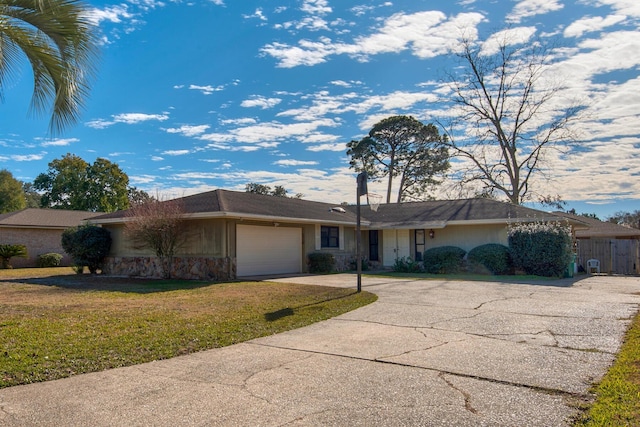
(264, 250)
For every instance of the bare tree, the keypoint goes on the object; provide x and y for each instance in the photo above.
(509, 115)
(159, 226)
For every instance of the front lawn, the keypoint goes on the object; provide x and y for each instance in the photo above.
(618, 394)
(54, 323)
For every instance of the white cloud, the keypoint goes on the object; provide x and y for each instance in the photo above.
(59, 142)
(26, 157)
(134, 118)
(261, 102)
(114, 14)
(511, 36)
(528, 8)
(337, 146)
(427, 34)
(587, 25)
(291, 162)
(127, 118)
(319, 7)
(258, 14)
(189, 130)
(206, 90)
(268, 134)
(623, 7)
(175, 152)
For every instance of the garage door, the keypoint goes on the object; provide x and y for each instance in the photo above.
(268, 250)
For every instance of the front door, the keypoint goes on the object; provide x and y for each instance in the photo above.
(395, 244)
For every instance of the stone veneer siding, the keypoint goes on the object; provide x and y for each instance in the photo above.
(188, 268)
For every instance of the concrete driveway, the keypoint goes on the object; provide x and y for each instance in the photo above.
(427, 353)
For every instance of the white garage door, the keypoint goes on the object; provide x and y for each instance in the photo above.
(268, 250)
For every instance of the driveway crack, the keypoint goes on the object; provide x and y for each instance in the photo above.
(465, 395)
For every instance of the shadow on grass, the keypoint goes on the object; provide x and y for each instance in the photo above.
(288, 311)
(90, 282)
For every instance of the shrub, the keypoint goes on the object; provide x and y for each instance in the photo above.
(407, 265)
(9, 251)
(443, 259)
(491, 258)
(364, 264)
(321, 262)
(541, 248)
(51, 259)
(87, 245)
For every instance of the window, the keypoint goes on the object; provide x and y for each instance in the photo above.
(329, 237)
(419, 244)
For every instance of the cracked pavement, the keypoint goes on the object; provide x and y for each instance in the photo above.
(427, 353)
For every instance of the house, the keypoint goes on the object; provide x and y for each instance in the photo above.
(238, 234)
(616, 247)
(40, 230)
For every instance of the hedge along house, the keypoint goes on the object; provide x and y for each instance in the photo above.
(40, 230)
(408, 229)
(238, 234)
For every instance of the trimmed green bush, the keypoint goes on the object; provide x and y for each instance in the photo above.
(407, 265)
(492, 258)
(321, 262)
(88, 245)
(443, 259)
(541, 248)
(51, 259)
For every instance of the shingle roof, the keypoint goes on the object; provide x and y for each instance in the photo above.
(438, 213)
(45, 218)
(235, 203)
(596, 228)
(429, 214)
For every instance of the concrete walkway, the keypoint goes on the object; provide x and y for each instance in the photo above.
(427, 353)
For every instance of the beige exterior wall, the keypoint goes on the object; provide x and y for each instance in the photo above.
(37, 240)
(216, 238)
(466, 237)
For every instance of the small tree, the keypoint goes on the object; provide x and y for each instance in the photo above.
(541, 248)
(87, 245)
(9, 251)
(158, 226)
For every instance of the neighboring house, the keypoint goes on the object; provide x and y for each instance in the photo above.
(40, 230)
(238, 234)
(616, 247)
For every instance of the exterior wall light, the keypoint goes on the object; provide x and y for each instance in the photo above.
(432, 234)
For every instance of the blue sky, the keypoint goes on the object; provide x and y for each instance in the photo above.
(196, 95)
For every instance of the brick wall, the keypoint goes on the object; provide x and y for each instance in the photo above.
(37, 241)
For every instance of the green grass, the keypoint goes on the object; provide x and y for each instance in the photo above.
(54, 324)
(618, 394)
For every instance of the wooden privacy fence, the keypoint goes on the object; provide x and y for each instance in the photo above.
(616, 256)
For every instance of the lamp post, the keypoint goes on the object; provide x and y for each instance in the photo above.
(360, 191)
